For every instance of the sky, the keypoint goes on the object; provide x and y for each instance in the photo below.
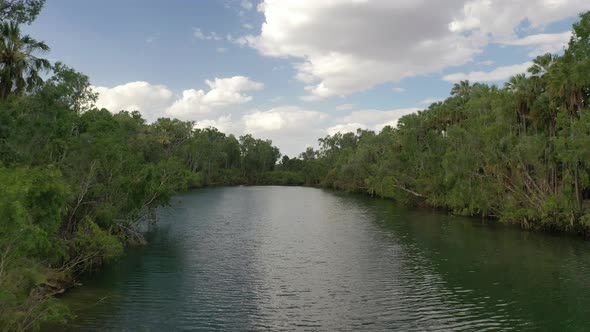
(296, 70)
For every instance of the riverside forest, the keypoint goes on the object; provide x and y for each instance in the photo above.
(79, 184)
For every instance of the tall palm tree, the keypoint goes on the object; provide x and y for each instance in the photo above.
(20, 68)
(564, 84)
(461, 89)
(542, 63)
(524, 94)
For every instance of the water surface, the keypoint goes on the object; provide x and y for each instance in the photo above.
(287, 258)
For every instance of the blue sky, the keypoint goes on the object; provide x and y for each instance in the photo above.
(296, 70)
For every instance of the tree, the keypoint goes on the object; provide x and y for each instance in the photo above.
(20, 68)
(20, 11)
(461, 89)
(308, 154)
(258, 156)
(72, 88)
(541, 64)
(523, 91)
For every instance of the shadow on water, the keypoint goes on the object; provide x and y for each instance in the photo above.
(540, 281)
(108, 292)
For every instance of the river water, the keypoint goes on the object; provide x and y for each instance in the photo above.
(289, 258)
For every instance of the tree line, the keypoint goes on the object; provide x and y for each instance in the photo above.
(76, 181)
(518, 153)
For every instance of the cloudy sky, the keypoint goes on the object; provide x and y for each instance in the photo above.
(296, 70)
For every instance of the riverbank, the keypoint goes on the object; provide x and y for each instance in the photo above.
(77, 180)
(57, 286)
(274, 257)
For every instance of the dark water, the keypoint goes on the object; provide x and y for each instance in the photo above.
(279, 258)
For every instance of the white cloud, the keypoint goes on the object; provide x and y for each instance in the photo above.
(247, 4)
(223, 124)
(291, 128)
(223, 92)
(345, 128)
(346, 46)
(199, 34)
(286, 118)
(247, 26)
(345, 107)
(398, 90)
(370, 119)
(501, 18)
(429, 101)
(150, 100)
(543, 43)
(486, 62)
(497, 74)
(155, 101)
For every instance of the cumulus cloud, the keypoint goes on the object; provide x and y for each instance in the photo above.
(497, 74)
(370, 119)
(501, 18)
(150, 100)
(345, 107)
(284, 119)
(346, 46)
(543, 43)
(155, 101)
(291, 128)
(199, 34)
(222, 123)
(223, 92)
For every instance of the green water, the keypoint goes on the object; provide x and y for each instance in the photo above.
(281, 258)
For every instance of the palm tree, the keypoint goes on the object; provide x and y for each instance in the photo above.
(524, 94)
(542, 63)
(20, 69)
(564, 84)
(461, 89)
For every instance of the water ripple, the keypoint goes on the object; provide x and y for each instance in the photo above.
(284, 259)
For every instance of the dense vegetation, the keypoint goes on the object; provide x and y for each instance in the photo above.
(520, 153)
(77, 181)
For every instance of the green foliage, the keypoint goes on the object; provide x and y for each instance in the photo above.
(20, 11)
(520, 154)
(20, 68)
(91, 246)
(32, 203)
(258, 156)
(283, 178)
(77, 182)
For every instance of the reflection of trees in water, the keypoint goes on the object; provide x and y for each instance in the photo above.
(528, 276)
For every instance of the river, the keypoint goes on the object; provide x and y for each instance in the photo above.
(291, 258)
